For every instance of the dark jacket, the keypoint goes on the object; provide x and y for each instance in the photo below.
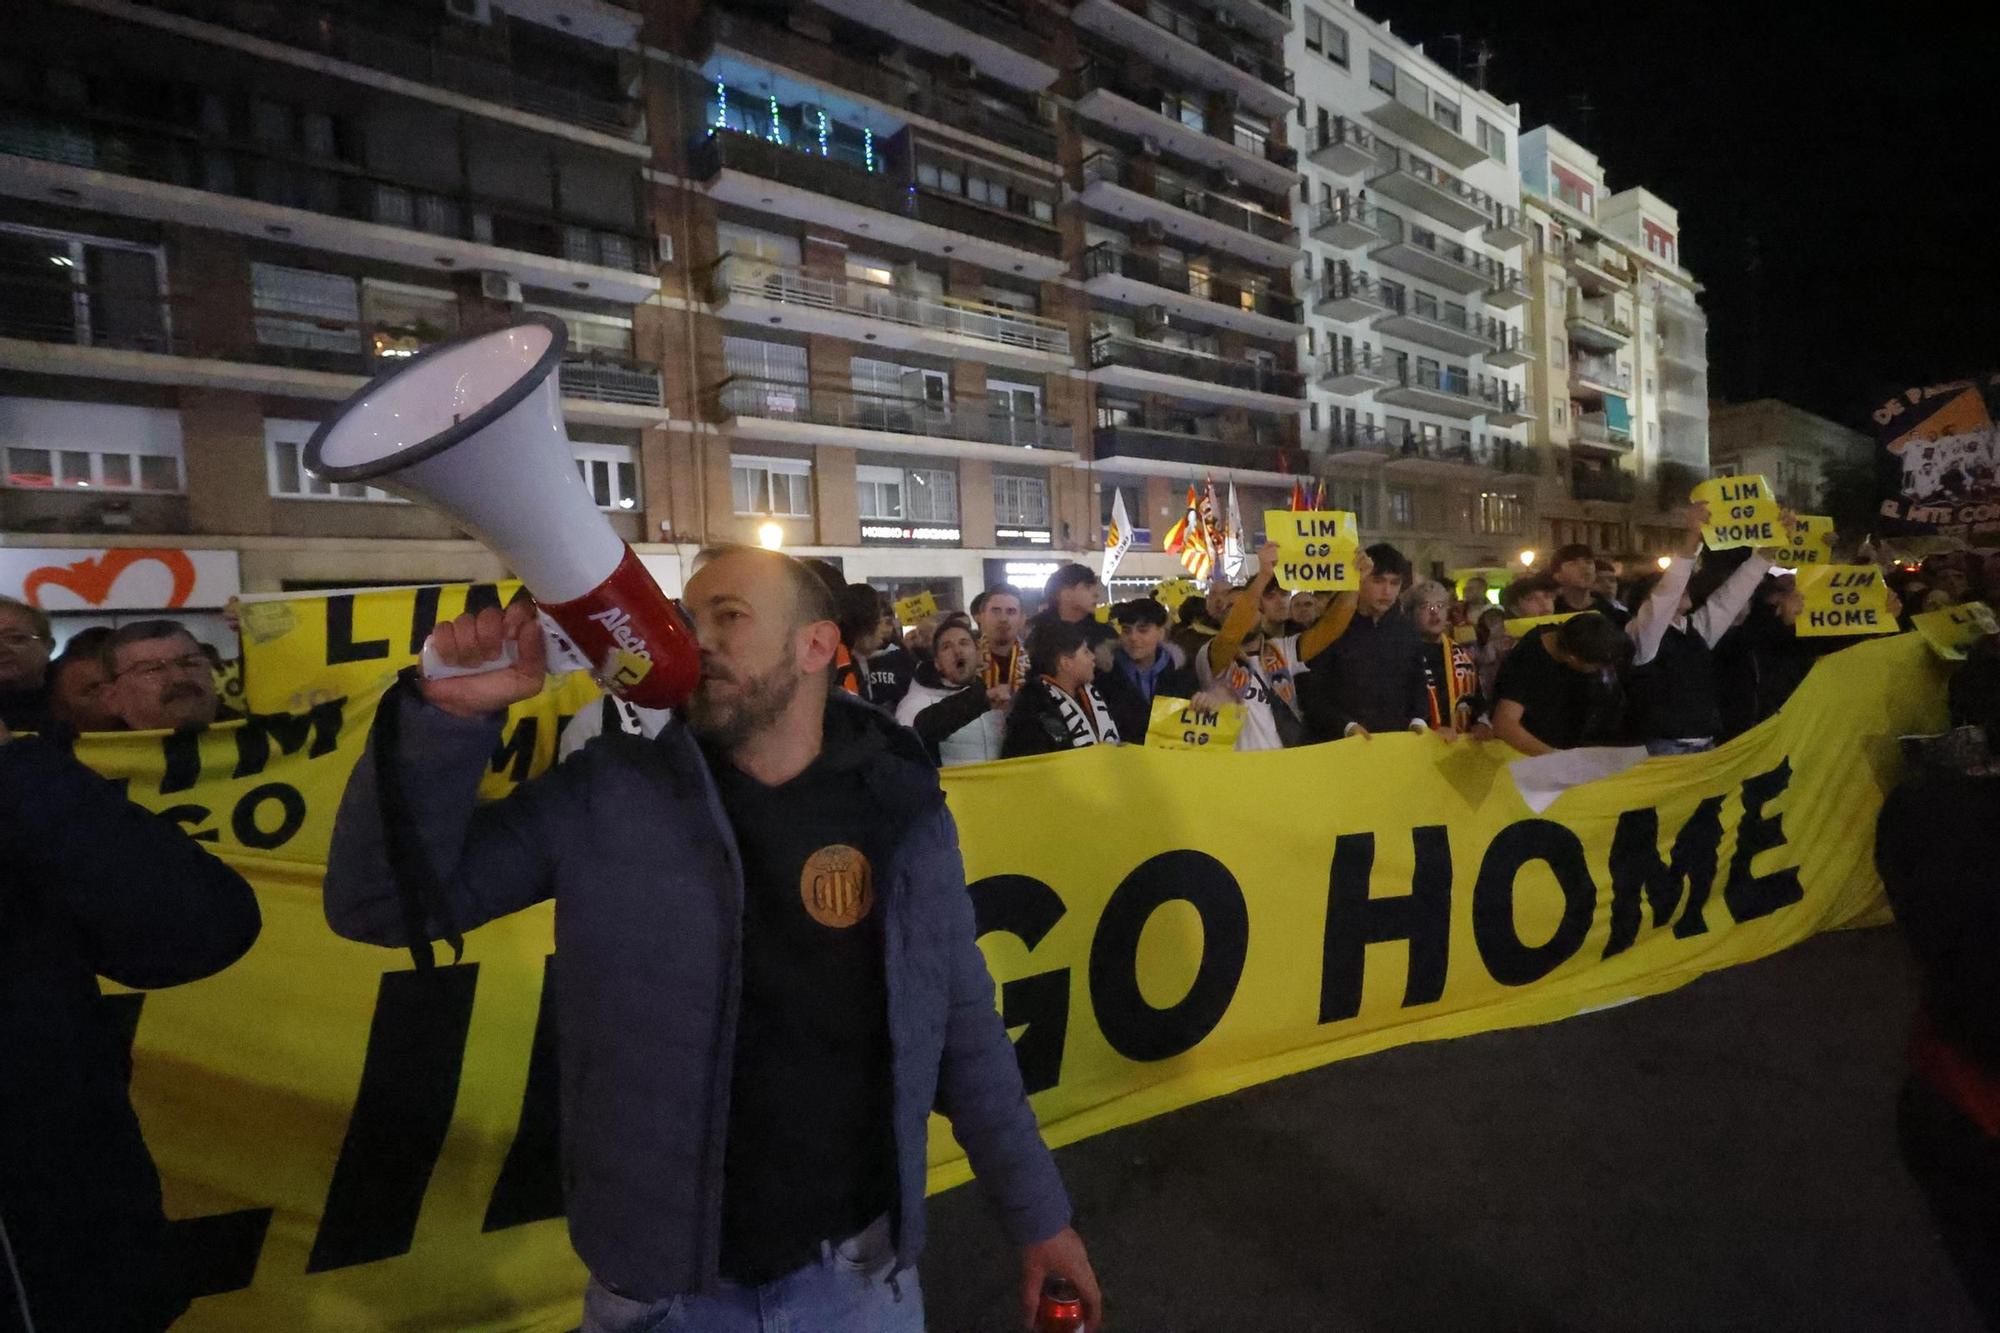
(630, 839)
(1036, 723)
(1373, 674)
(889, 673)
(938, 712)
(1128, 693)
(90, 885)
(1759, 664)
(24, 710)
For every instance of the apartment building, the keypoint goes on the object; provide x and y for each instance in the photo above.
(219, 218)
(1414, 244)
(1618, 390)
(1790, 446)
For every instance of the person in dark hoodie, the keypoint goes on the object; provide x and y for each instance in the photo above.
(955, 713)
(891, 666)
(1372, 677)
(25, 644)
(1145, 667)
(1549, 695)
(90, 885)
(1936, 843)
(1059, 708)
(768, 970)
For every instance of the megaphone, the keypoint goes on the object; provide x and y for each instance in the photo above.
(473, 427)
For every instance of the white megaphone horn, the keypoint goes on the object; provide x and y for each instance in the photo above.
(473, 427)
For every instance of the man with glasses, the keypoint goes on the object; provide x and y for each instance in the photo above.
(25, 642)
(161, 678)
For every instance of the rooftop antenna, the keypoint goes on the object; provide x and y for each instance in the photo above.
(1482, 56)
(1584, 110)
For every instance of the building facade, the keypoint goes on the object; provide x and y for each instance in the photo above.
(1788, 445)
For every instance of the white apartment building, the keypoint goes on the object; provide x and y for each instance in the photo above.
(1789, 445)
(1414, 244)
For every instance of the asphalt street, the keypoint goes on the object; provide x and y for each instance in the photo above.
(1723, 1157)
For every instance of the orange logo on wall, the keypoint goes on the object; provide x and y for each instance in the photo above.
(92, 580)
(837, 886)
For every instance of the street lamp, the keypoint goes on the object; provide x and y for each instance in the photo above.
(1666, 563)
(1527, 559)
(770, 536)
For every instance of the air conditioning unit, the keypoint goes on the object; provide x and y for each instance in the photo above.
(1154, 317)
(1230, 181)
(663, 246)
(1149, 146)
(471, 11)
(496, 286)
(1152, 232)
(963, 69)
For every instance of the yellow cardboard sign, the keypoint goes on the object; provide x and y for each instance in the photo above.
(1176, 724)
(1170, 593)
(910, 610)
(1808, 541)
(1315, 549)
(1465, 634)
(1518, 629)
(1742, 511)
(1951, 631)
(1844, 599)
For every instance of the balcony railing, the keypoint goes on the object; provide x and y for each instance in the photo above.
(1484, 267)
(1600, 372)
(1609, 484)
(38, 305)
(326, 31)
(1595, 428)
(1224, 43)
(1345, 211)
(1357, 439)
(1392, 159)
(1170, 446)
(1095, 76)
(1486, 329)
(1109, 259)
(722, 149)
(770, 400)
(1348, 144)
(1110, 349)
(336, 191)
(1159, 183)
(603, 378)
(989, 18)
(1498, 454)
(954, 108)
(740, 275)
(1363, 362)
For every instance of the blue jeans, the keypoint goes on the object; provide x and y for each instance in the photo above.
(846, 1290)
(1701, 746)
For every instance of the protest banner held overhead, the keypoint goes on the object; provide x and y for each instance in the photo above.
(1938, 461)
(1806, 541)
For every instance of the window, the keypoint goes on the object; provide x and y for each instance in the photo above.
(771, 487)
(51, 445)
(82, 291)
(733, 238)
(879, 492)
(403, 320)
(1446, 114)
(300, 308)
(1336, 44)
(611, 473)
(1020, 501)
(1315, 33)
(284, 462)
(915, 495)
(1402, 507)
(1500, 513)
(1493, 141)
(1381, 73)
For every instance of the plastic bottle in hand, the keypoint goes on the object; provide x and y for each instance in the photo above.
(1061, 1310)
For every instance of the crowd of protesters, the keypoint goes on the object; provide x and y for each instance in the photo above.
(146, 675)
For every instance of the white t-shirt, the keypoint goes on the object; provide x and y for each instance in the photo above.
(1254, 679)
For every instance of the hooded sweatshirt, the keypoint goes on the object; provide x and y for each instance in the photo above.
(955, 723)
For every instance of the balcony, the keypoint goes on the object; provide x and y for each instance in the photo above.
(1359, 444)
(1505, 404)
(1352, 371)
(1506, 228)
(1413, 121)
(1193, 47)
(1425, 254)
(1438, 457)
(1142, 191)
(1144, 366)
(1343, 146)
(802, 414)
(1119, 98)
(1431, 190)
(1443, 390)
(1601, 325)
(168, 176)
(1509, 290)
(328, 32)
(1140, 280)
(1348, 222)
(1167, 453)
(1687, 406)
(600, 378)
(1270, 19)
(1683, 353)
(1349, 296)
(1597, 430)
(1424, 322)
(743, 169)
(1508, 349)
(949, 106)
(1598, 268)
(990, 35)
(1604, 484)
(754, 291)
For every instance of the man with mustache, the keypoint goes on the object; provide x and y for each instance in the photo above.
(161, 678)
(767, 974)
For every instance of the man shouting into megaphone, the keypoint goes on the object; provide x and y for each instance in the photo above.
(765, 967)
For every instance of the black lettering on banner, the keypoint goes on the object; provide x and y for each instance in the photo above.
(249, 829)
(517, 749)
(409, 1083)
(1028, 909)
(530, 1188)
(1511, 962)
(340, 644)
(423, 616)
(320, 725)
(1749, 896)
(1354, 920)
(191, 818)
(480, 596)
(180, 760)
(1636, 867)
(1135, 1029)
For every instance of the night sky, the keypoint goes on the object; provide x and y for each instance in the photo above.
(1827, 162)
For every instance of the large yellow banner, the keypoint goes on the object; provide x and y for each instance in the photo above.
(349, 1143)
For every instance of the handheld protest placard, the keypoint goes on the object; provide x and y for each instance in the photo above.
(1844, 599)
(1742, 511)
(1176, 724)
(1808, 540)
(1519, 628)
(1315, 549)
(1170, 593)
(1954, 629)
(914, 608)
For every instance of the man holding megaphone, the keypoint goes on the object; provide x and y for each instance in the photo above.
(765, 968)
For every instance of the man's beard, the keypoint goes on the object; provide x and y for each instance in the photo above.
(758, 703)
(185, 704)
